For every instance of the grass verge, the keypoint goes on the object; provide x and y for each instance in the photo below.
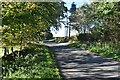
(99, 50)
(33, 63)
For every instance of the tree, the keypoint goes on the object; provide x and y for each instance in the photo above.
(104, 18)
(24, 22)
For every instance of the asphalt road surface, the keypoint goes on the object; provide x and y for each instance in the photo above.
(79, 64)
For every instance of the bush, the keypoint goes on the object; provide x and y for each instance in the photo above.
(84, 37)
(74, 38)
(49, 36)
(60, 39)
(75, 44)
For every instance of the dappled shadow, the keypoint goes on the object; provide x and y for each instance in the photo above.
(87, 78)
(78, 64)
(31, 79)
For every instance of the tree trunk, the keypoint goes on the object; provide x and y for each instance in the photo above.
(5, 51)
(12, 49)
(21, 44)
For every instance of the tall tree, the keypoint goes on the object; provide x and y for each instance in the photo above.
(27, 21)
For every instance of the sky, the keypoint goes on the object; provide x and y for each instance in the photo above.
(77, 2)
(62, 31)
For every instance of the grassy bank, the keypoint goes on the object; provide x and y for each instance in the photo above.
(33, 63)
(115, 54)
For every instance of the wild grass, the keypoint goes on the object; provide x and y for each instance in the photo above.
(33, 63)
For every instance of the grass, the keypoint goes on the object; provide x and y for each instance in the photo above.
(33, 63)
(102, 51)
(106, 52)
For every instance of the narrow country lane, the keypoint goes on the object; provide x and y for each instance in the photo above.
(78, 64)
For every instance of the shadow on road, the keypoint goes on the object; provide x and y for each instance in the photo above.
(78, 64)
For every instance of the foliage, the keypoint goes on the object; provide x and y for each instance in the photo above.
(1, 52)
(24, 22)
(100, 19)
(73, 38)
(93, 48)
(105, 52)
(86, 37)
(48, 36)
(34, 62)
(75, 44)
(98, 27)
(60, 39)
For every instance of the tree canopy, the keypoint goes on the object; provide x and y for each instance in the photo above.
(98, 22)
(27, 21)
